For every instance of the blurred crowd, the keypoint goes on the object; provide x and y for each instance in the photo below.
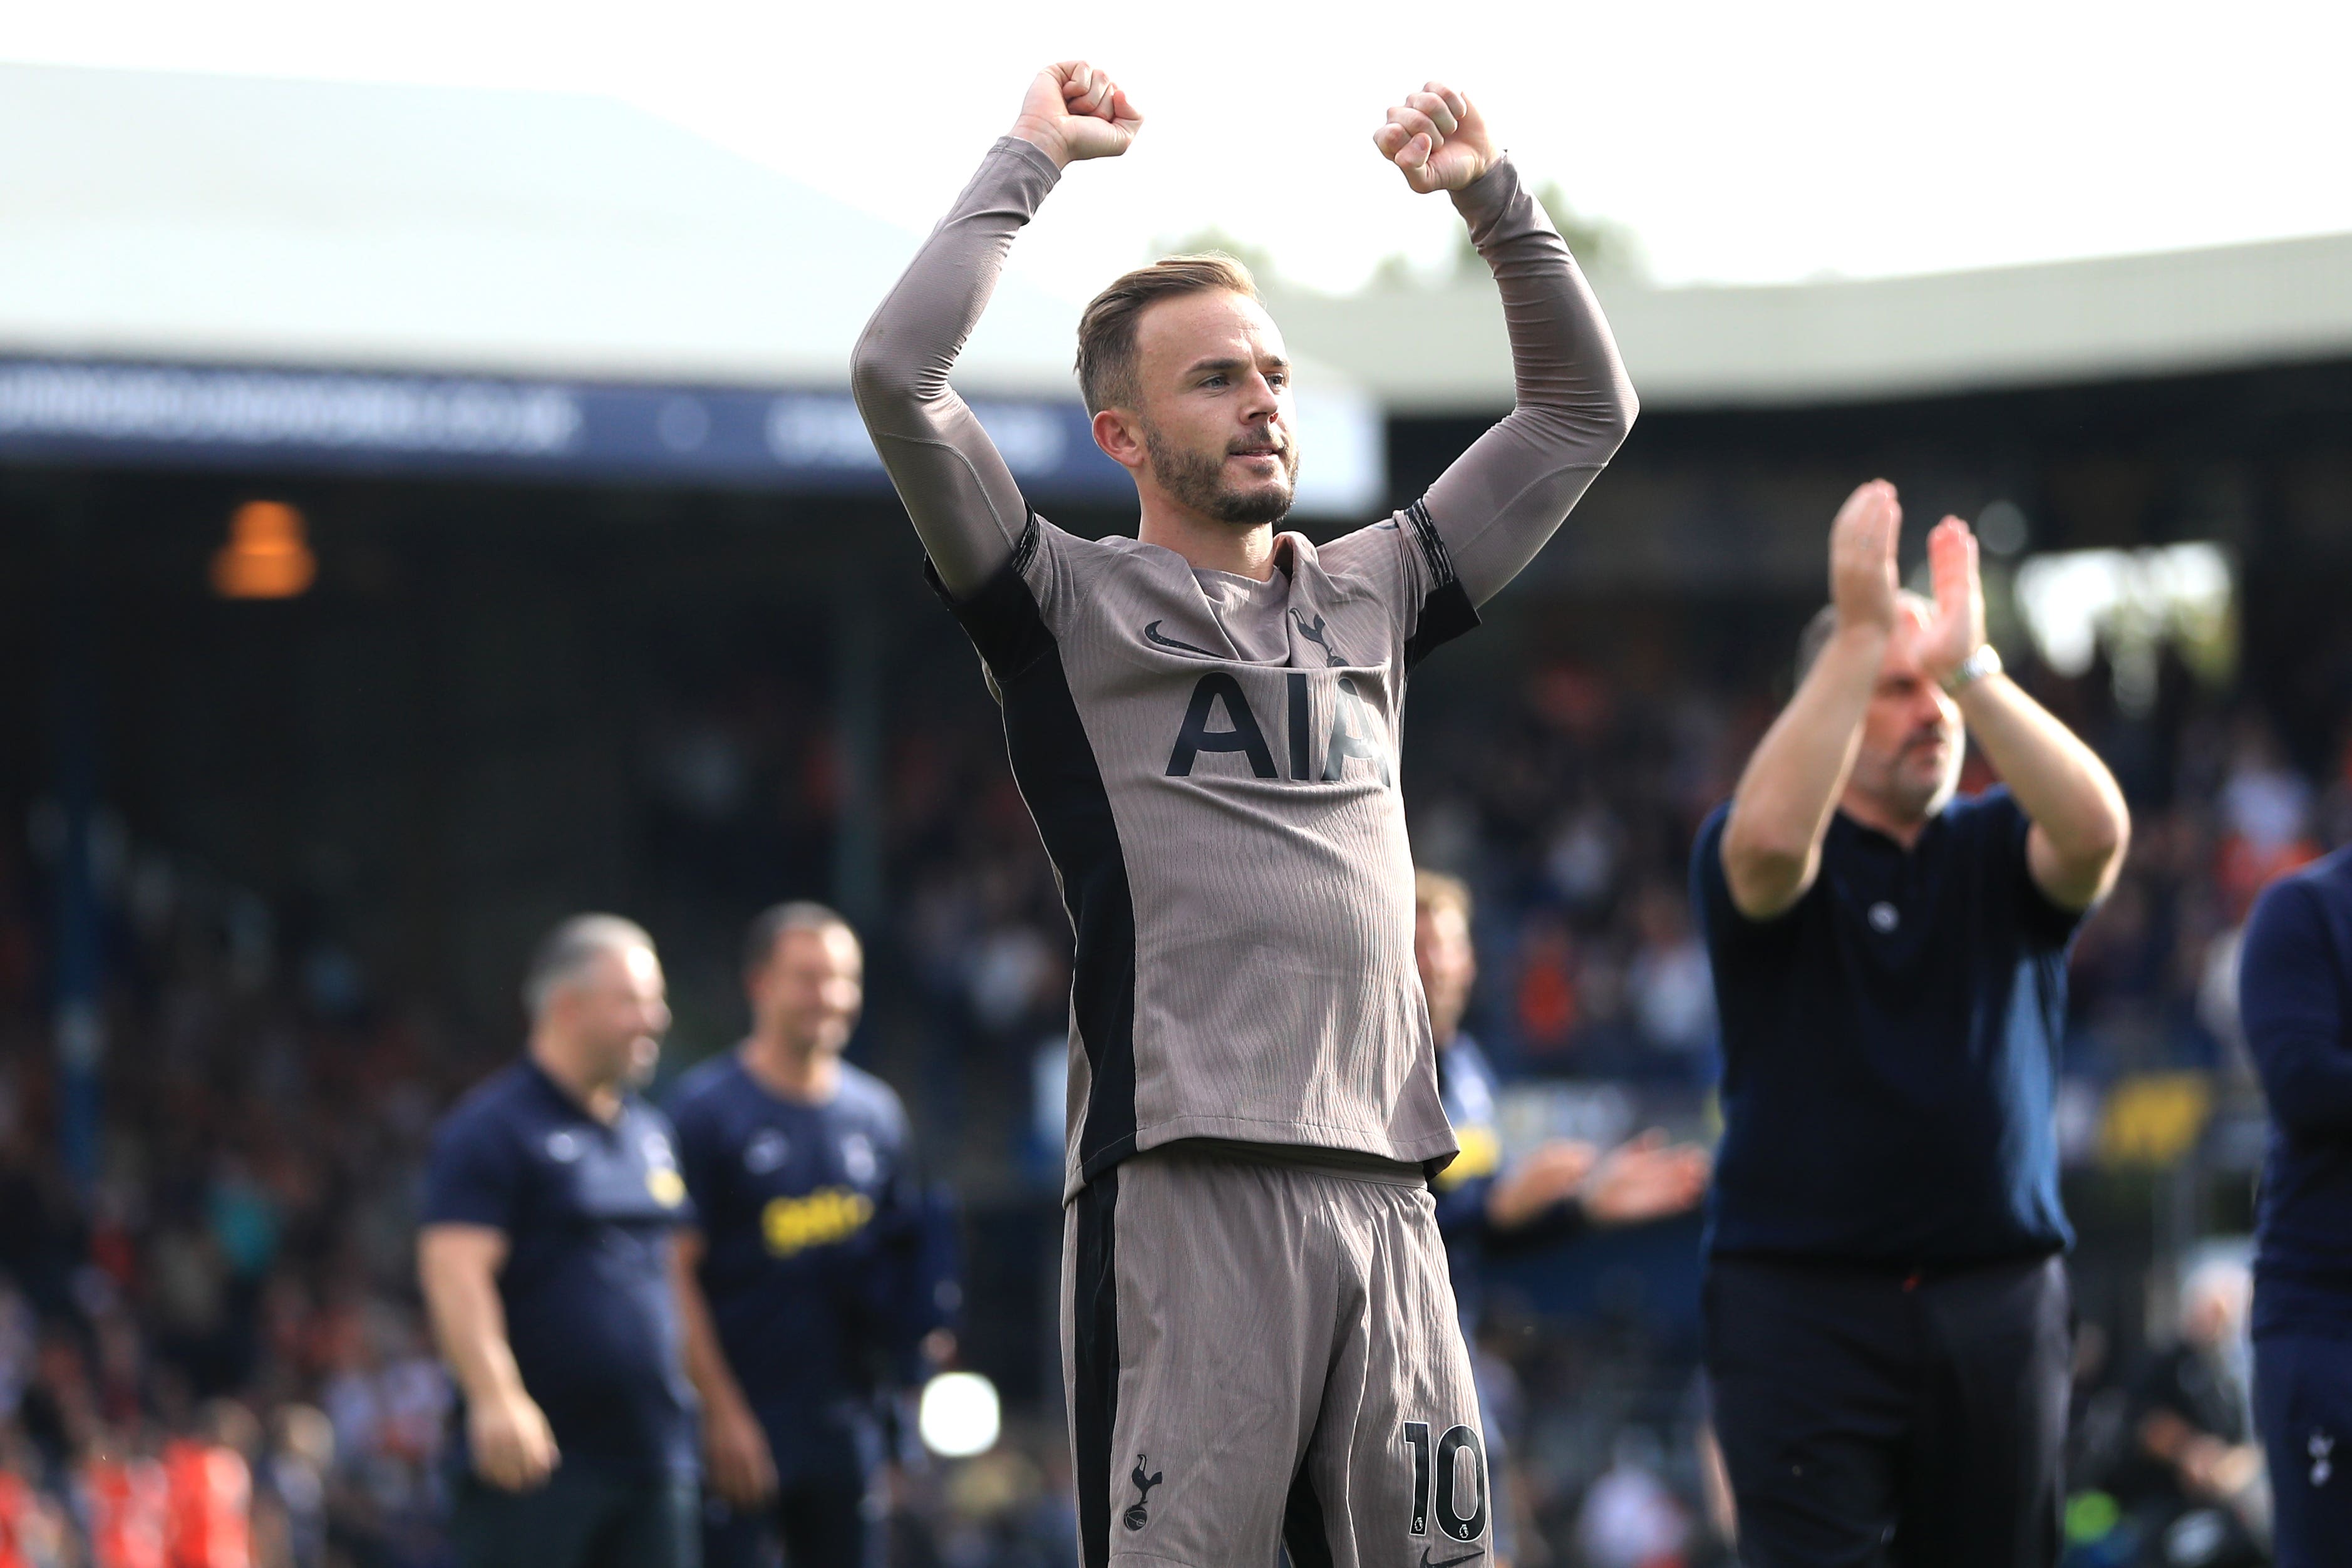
(1572, 814)
(236, 1275)
(226, 1313)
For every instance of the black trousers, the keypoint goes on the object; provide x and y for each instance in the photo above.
(579, 1519)
(2303, 1403)
(1873, 1418)
(819, 1523)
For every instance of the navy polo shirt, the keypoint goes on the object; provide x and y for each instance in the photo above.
(811, 1222)
(2294, 992)
(587, 1210)
(1890, 1049)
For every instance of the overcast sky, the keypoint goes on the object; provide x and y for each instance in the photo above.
(1739, 143)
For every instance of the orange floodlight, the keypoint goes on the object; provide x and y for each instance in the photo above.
(268, 556)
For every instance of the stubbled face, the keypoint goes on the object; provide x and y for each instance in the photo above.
(1908, 764)
(617, 1011)
(1441, 948)
(811, 990)
(1219, 432)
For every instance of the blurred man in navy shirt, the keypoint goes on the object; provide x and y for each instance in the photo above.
(811, 1277)
(2294, 992)
(552, 1200)
(1889, 1322)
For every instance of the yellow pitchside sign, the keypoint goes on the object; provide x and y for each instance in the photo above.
(2153, 1119)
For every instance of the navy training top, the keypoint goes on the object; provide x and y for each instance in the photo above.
(2295, 994)
(1467, 1082)
(587, 1210)
(1890, 1047)
(812, 1252)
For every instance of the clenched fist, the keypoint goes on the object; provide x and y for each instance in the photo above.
(1437, 139)
(1074, 112)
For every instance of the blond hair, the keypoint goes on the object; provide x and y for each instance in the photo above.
(1435, 891)
(1107, 330)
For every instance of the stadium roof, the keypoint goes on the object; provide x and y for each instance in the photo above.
(1443, 350)
(231, 220)
(193, 268)
(641, 299)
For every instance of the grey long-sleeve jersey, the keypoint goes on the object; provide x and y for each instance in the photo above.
(1212, 760)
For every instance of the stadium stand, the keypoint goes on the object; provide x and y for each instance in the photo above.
(266, 1099)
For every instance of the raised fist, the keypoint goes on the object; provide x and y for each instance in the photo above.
(1437, 139)
(1074, 112)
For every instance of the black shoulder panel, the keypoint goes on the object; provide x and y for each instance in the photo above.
(1053, 763)
(1446, 613)
(1002, 618)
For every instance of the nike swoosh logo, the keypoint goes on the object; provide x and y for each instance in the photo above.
(1152, 634)
(1450, 1561)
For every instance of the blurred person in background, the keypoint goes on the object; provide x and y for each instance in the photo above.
(2190, 1480)
(386, 1400)
(37, 1530)
(1672, 996)
(805, 1286)
(290, 1489)
(1888, 1316)
(1554, 1192)
(552, 1197)
(2295, 994)
(208, 1480)
(1629, 1517)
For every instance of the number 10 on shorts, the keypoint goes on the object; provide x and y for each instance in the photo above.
(1439, 1482)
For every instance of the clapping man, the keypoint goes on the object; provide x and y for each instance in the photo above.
(1889, 1322)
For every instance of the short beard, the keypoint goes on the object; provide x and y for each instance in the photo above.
(1881, 779)
(1198, 482)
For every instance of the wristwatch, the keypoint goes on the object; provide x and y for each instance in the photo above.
(1985, 662)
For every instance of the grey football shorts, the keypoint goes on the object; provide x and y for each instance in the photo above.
(1261, 1355)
